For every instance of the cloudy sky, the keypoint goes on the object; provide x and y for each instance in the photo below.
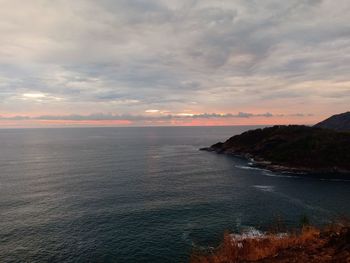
(178, 62)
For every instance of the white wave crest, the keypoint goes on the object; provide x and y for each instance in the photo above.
(244, 167)
(271, 174)
(265, 188)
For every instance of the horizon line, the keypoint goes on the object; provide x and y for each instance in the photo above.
(152, 126)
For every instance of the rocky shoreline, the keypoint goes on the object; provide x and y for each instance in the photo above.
(291, 149)
(258, 162)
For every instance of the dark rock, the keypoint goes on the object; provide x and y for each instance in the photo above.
(339, 122)
(292, 148)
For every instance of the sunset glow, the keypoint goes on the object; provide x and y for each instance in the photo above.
(136, 63)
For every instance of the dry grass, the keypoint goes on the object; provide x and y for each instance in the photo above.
(331, 244)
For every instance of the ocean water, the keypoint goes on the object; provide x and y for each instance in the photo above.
(141, 194)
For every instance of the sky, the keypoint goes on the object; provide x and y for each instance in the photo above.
(173, 62)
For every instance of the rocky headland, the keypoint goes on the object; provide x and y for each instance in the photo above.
(339, 122)
(292, 148)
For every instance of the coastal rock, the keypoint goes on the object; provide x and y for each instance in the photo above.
(293, 148)
(339, 122)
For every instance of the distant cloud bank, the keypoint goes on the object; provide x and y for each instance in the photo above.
(103, 117)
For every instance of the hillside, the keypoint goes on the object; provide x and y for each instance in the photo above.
(339, 122)
(331, 244)
(293, 148)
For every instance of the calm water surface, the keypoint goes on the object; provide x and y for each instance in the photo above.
(140, 194)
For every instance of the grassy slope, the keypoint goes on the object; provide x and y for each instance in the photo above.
(311, 245)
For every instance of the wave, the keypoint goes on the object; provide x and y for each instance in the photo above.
(265, 188)
(303, 176)
(271, 174)
(244, 167)
(253, 233)
(335, 180)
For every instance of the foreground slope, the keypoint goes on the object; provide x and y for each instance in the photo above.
(312, 245)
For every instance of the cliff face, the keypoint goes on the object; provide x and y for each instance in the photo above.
(293, 147)
(339, 122)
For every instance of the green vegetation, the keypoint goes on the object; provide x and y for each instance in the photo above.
(294, 146)
(304, 221)
(339, 122)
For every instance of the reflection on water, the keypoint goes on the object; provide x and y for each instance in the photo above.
(140, 194)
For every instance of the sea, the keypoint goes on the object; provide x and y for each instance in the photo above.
(145, 194)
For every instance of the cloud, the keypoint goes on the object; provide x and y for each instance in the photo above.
(132, 56)
(179, 116)
(151, 111)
